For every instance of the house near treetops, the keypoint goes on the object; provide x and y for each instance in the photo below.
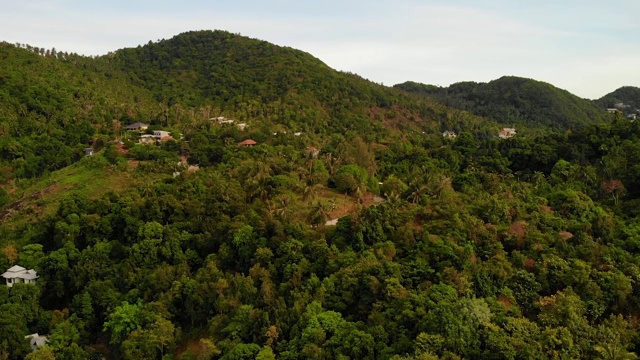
(17, 274)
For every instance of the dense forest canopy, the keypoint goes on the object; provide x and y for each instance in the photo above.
(348, 227)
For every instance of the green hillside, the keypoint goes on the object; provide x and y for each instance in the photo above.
(248, 79)
(517, 101)
(349, 228)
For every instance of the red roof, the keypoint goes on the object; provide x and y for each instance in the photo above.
(166, 138)
(248, 142)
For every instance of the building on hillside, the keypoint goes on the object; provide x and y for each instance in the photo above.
(36, 341)
(242, 126)
(248, 143)
(507, 133)
(613, 110)
(159, 134)
(147, 139)
(88, 151)
(137, 126)
(17, 274)
(632, 116)
(449, 134)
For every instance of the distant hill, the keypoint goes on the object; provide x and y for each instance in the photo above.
(515, 100)
(626, 95)
(248, 79)
(54, 104)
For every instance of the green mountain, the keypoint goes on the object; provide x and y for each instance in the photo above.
(515, 100)
(627, 96)
(226, 74)
(350, 228)
(54, 104)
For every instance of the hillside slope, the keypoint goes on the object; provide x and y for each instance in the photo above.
(515, 100)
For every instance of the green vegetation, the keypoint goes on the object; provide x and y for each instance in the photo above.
(515, 101)
(626, 97)
(199, 248)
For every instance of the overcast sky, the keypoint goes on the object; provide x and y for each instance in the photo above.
(588, 47)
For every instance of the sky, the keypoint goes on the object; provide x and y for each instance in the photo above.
(588, 47)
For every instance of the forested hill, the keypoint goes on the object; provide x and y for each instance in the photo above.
(54, 104)
(229, 74)
(348, 227)
(515, 100)
(627, 95)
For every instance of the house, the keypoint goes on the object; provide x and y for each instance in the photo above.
(222, 120)
(449, 134)
(612, 110)
(159, 134)
(137, 126)
(166, 138)
(507, 133)
(242, 126)
(147, 139)
(248, 143)
(17, 274)
(88, 151)
(36, 341)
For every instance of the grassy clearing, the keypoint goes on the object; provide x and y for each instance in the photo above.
(91, 177)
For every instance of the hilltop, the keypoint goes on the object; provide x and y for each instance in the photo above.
(515, 100)
(627, 96)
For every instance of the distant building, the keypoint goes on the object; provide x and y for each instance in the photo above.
(507, 133)
(17, 274)
(632, 116)
(242, 126)
(147, 139)
(88, 151)
(137, 126)
(449, 134)
(159, 134)
(613, 110)
(248, 143)
(36, 341)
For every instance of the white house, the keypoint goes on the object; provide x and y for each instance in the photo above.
(18, 274)
(36, 341)
(159, 134)
(147, 139)
(449, 134)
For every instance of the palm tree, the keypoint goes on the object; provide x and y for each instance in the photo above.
(319, 214)
(310, 192)
(614, 351)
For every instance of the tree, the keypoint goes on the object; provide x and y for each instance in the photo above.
(122, 321)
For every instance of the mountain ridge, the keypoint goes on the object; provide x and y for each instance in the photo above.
(516, 100)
